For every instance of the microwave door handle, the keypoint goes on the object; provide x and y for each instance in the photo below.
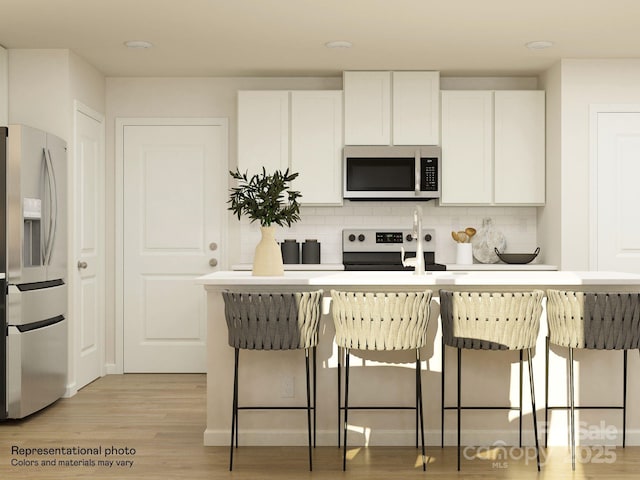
(417, 173)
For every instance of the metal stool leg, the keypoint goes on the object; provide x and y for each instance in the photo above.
(533, 407)
(340, 353)
(459, 395)
(624, 402)
(315, 397)
(520, 407)
(306, 358)
(234, 414)
(546, 392)
(572, 425)
(417, 402)
(419, 407)
(442, 397)
(346, 409)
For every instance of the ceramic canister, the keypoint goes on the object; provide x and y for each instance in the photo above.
(290, 251)
(311, 251)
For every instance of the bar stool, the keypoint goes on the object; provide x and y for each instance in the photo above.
(273, 321)
(380, 322)
(490, 321)
(594, 321)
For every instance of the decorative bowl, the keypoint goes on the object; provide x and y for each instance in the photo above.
(517, 258)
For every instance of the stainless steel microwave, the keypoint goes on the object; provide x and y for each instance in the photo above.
(392, 172)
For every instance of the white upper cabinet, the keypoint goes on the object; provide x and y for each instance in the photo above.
(316, 145)
(416, 108)
(367, 108)
(391, 108)
(263, 131)
(493, 147)
(299, 130)
(519, 158)
(467, 147)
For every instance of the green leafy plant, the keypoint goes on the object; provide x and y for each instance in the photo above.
(265, 198)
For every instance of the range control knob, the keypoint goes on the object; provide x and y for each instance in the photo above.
(428, 237)
(361, 237)
(352, 238)
(409, 237)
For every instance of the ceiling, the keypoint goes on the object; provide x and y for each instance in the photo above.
(287, 37)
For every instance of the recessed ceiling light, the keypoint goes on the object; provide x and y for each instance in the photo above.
(138, 44)
(339, 44)
(539, 44)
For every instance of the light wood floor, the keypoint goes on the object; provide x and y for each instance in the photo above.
(162, 417)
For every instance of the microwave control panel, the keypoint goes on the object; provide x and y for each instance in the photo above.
(429, 177)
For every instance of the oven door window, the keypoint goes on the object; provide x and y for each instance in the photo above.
(381, 174)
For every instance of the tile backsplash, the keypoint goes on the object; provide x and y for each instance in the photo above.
(518, 224)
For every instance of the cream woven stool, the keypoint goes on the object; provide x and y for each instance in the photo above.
(273, 321)
(380, 321)
(491, 321)
(595, 321)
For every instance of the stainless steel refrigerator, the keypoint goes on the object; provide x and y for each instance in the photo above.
(33, 233)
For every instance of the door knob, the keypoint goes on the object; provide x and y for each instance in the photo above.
(82, 264)
(213, 246)
(213, 262)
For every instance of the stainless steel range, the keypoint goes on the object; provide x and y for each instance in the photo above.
(379, 249)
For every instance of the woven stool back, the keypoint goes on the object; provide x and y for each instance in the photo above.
(603, 321)
(491, 320)
(381, 321)
(272, 321)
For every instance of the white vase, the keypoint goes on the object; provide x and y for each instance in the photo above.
(267, 260)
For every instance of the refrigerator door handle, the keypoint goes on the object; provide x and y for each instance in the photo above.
(53, 207)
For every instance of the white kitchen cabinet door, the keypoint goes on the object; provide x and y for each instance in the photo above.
(467, 147)
(263, 131)
(416, 108)
(367, 108)
(316, 146)
(519, 158)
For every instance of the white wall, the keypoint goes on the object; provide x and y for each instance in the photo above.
(39, 90)
(586, 82)
(4, 86)
(550, 216)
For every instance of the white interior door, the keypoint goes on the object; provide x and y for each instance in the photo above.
(618, 195)
(173, 179)
(89, 240)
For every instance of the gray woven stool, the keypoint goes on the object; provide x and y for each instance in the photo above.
(273, 321)
(380, 321)
(594, 321)
(490, 321)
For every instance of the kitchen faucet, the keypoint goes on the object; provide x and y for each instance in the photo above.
(418, 262)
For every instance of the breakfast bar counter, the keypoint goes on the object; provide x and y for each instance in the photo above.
(279, 380)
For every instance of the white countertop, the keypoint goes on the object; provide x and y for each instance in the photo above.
(500, 266)
(295, 267)
(542, 279)
(246, 267)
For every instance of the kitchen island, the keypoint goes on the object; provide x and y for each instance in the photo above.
(278, 378)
